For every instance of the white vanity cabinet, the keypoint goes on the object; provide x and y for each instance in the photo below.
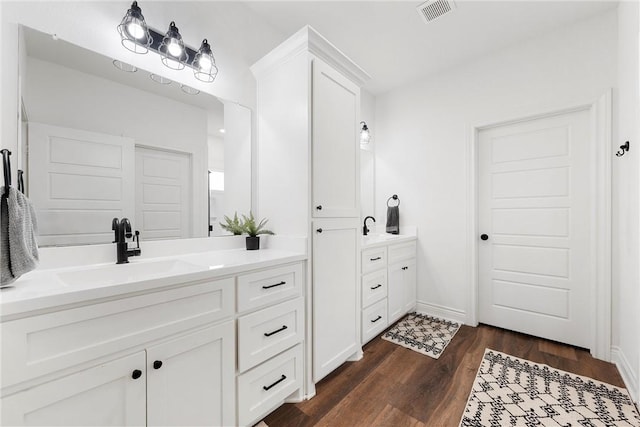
(308, 114)
(402, 279)
(374, 283)
(271, 330)
(147, 359)
(388, 285)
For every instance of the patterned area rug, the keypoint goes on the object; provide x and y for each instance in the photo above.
(424, 334)
(509, 391)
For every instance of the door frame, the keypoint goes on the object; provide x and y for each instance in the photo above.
(600, 207)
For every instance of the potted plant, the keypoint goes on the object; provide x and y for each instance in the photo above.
(233, 226)
(254, 230)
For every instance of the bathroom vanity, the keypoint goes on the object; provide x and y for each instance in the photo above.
(161, 341)
(388, 280)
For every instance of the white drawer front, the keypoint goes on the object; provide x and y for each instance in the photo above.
(374, 320)
(270, 286)
(50, 342)
(374, 287)
(374, 259)
(269, 331)
(402, 251)
(266, 386)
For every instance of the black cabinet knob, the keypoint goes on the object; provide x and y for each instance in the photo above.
(137, 373)
(319, 207)
(157, 364)
(484, 237)
(319, 230)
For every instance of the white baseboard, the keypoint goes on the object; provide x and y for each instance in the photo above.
(441, 311)
(629, 376)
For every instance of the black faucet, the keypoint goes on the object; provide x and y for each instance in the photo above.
(122, 231)
(365, 229)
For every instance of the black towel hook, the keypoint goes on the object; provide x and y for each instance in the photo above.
(394, 197)
(6, 167)
(623, 149)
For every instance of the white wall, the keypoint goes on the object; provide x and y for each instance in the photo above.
(626, 202)
(367, 157)
(422, 131)
(82, 101)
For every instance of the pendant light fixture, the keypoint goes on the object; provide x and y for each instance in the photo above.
(174, 54)
(365, 136)
(138, 37)
(204, 64)
(133, 30)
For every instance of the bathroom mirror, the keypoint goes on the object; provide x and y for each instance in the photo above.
(367, 183)
(101, 140)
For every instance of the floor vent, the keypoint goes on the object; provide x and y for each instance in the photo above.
(434, 9)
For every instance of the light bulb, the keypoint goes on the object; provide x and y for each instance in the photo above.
(205, 62)
(135, 30)
(174, 49)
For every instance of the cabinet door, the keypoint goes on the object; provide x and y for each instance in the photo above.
(104, 395)
(410, 284)
(336, 309)
(335, 144)
(396, 291)
(190, 379)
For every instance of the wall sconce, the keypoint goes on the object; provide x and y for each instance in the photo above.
(138, 37)
(365, 136)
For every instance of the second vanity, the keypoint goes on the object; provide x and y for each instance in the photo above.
(388, 280)
(211, 338)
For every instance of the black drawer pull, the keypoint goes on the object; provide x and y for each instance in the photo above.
(268, 334)
(376, 319)
(405, 268)
(273, 286)
(267, 387)
(375, 259)
(157, 364)
(137, 373)
(376, 286)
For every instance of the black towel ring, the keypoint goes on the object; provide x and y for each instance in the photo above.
(6, 166)
(394, 197)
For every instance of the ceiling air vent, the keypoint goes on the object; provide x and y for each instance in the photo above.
(434, 9)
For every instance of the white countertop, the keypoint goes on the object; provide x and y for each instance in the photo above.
(376, 238)
(54, 289)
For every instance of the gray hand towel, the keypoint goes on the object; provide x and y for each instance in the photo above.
(18, 230)
(393, 219)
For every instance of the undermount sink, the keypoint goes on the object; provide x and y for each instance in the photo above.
(378, 237)
(127, 273)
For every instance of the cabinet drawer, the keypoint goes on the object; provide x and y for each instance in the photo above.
(54, 341)
(270, 286)
(264, 387)
(374, 287)
(402, 251)
(269, 331)
(373, 259)
(374, 320)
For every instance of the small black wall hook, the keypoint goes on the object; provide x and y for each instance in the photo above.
(623, 149)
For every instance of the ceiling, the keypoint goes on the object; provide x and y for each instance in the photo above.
(390, 41)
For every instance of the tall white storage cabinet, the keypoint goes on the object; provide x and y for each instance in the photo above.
(308, 180)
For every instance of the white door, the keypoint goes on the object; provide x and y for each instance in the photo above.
(336, 148)
(163, 194)
(105, 395)
(395, 295)
(191, 380)
(335, 299)
(535, 209)
(84, 180)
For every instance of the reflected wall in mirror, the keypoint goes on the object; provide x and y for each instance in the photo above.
(103, 143)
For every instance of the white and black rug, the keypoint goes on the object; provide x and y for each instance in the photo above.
(422, 333)
(509, 391)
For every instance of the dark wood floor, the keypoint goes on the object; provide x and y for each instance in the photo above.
(395, 386)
